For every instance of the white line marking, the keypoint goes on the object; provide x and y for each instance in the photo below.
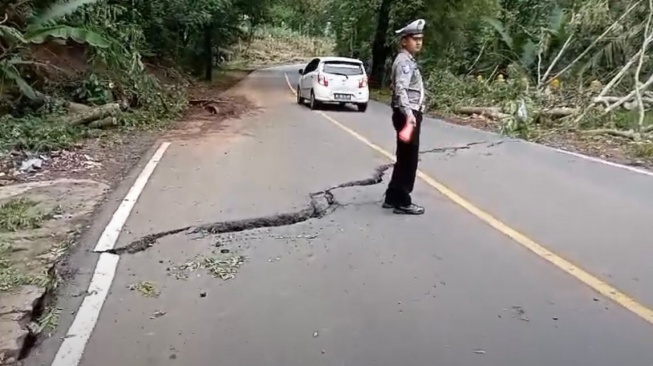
(72, 348)
(111, 232)
(606, 162)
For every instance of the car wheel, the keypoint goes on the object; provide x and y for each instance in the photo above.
(300, 100)
(314, 103)
(362, 107)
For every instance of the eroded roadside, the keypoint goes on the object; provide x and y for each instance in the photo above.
(47, 201)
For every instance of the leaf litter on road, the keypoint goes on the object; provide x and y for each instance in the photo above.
(145, 288)
(220, 266)
(225, 268)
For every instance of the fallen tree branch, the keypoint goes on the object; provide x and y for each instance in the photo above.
(613, 99)
(495, 112)
(104, 123)
(638, 94)
(555, 61)
(623, 100)
(594, 43)
(620, 74)
(559, 112)
(206, 101)
(630, 134)
(491, 112)
(93, 114)
(612, 132)
(74, 108)
(480, 53)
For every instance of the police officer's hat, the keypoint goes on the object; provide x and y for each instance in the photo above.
(412, 29)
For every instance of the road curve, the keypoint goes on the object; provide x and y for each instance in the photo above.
(358, 285)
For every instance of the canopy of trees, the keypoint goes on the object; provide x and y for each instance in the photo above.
(535, 46)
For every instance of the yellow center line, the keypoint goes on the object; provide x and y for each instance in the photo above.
(580, 274)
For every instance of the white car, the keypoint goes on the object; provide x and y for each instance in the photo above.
(334, 80)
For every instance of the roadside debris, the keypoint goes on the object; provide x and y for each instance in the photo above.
(480, 352)
(24, 166)
(145, 288)
(158, 314)
(286, 237)
(32, 164)
(224, 267)
(521, 313)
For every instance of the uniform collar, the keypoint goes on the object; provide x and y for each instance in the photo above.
(408, 54)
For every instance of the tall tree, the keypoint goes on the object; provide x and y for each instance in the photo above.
(380, 50)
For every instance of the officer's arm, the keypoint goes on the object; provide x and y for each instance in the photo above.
(403, 74)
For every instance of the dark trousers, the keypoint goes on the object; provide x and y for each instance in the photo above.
(403, 175)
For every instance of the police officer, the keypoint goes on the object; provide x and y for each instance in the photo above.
(407, 108)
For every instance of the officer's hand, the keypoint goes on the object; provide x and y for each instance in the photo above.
(406, 133)
(410, 119)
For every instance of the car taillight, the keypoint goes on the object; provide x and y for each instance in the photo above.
(322, 80)
(363, 82)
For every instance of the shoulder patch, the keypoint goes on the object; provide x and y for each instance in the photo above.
(405, 68)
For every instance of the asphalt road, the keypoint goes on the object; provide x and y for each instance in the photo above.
(362, 286)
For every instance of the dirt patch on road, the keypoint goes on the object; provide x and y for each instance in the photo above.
(210, 108)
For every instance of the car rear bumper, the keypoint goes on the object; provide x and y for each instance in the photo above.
(324, 94)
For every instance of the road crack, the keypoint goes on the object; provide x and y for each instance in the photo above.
(321, 203)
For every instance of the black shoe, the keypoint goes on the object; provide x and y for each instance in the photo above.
(387, 205)
(411, 209)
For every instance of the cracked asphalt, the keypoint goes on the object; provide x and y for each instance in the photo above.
(349, 283)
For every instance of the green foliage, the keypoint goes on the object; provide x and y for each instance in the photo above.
(94, 91)
(38, 31)
(19, 214)
(35, 133)
(11, 277)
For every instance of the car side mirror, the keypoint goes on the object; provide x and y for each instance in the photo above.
(301, 71)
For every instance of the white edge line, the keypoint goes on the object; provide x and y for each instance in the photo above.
(578, 155)
(71, 350)
(111, 232)
(602, 161)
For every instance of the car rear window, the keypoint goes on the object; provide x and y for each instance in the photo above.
(343, 68)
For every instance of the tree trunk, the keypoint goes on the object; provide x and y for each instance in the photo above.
(379, 49)
(208, 52)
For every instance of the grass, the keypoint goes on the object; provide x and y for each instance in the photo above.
(21, 214)
(49, 321)
(11, 277)
(380, 95)
(224, 79)
(642, 149)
